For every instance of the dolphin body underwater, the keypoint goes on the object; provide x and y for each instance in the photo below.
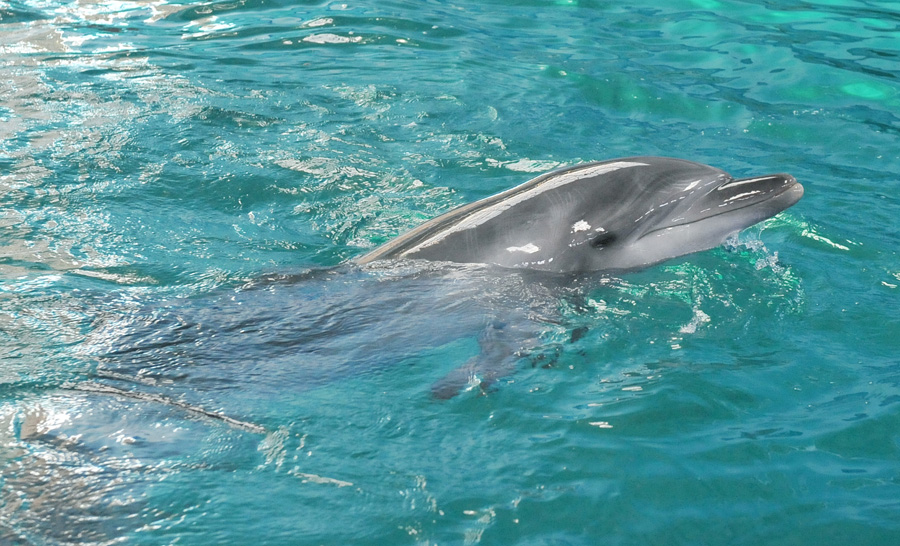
(608, 216)
(616, 215)
(292, 332)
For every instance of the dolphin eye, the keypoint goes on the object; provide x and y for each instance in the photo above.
(603, 239)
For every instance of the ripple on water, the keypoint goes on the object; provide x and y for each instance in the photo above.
(158, 161)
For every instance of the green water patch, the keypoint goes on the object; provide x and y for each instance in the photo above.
(869, 90)
(625, 94)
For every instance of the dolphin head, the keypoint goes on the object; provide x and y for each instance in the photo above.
(662, 208)
(614, 215)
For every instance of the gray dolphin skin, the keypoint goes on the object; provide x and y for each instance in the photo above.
(616, 215)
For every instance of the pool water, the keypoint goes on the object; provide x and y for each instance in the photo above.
(187, 358)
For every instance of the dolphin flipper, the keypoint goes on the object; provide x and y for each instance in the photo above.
(502, 346)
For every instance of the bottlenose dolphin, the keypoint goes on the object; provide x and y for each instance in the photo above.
(616, 215)
(294, 332)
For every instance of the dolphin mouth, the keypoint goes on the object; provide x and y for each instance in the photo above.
(743, 201)
(773, 191)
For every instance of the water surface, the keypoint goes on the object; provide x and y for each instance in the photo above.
(186, 358)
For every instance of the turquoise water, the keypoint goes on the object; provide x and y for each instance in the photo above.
(184, 359)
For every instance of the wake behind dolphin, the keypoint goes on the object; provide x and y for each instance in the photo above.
(615, 215)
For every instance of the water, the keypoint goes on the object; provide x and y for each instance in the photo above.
(184, 359)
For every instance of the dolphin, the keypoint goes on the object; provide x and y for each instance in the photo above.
(616, 215)
(304, 330)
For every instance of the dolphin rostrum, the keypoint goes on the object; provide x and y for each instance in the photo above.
(615, 215)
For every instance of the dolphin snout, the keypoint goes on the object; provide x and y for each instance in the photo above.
(781, 188)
